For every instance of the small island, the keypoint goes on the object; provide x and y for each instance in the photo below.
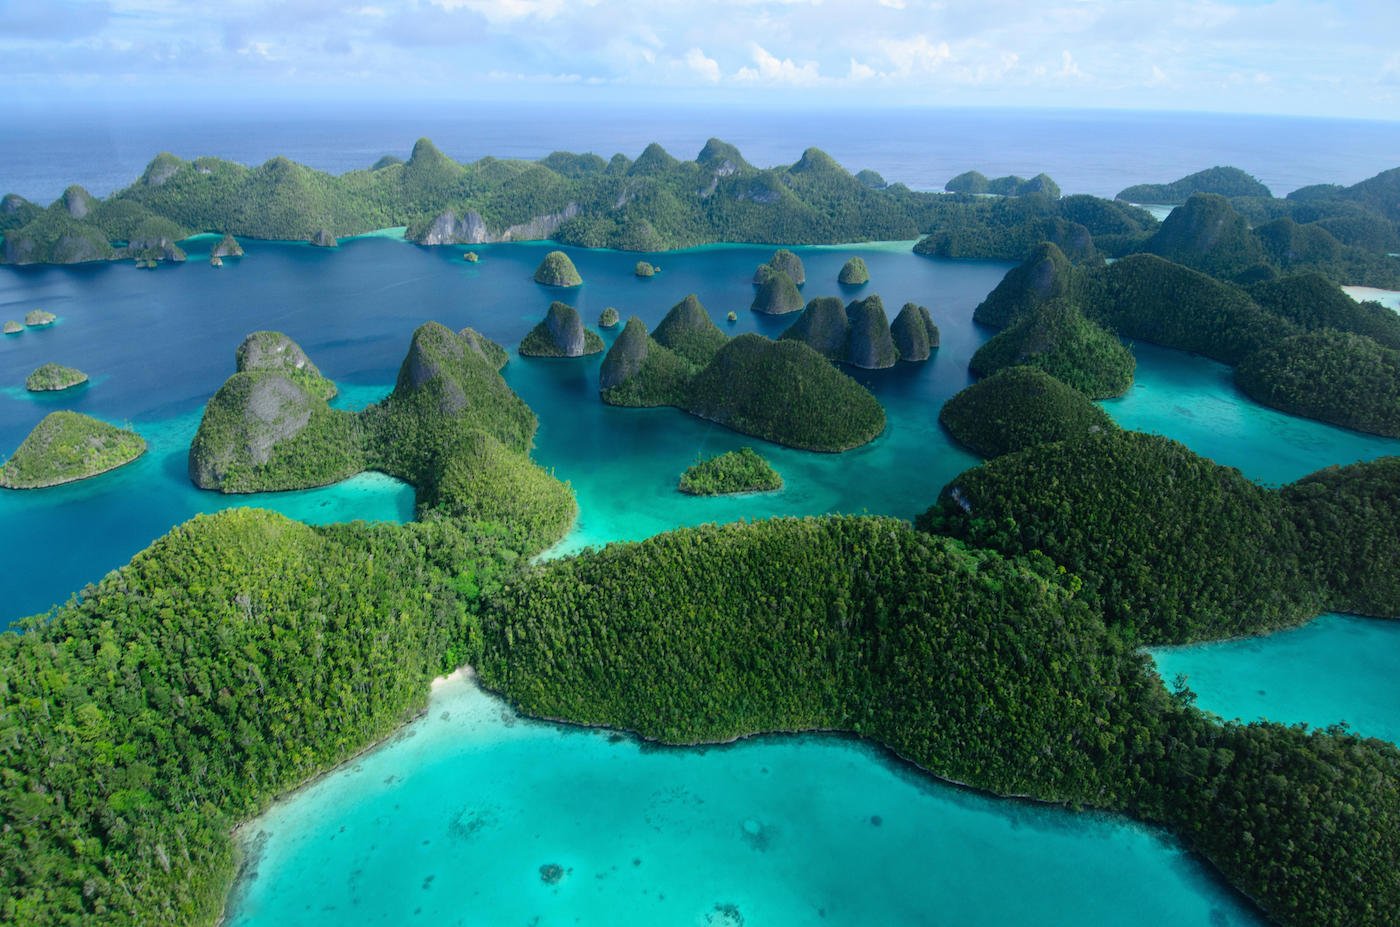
(38, 318)
(777, 293)
(11, 327)
(609, 317)
(54, 377)
(471, 257)
(228, 246)
(66, 447)
(854, 273)
(557, 270)
(915, 336)
(561, 334)
(644, 269)
(741, 471)
(324, 239)
(785, 261)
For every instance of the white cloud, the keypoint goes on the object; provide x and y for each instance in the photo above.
(861, 71)
(770, 69)
(1068, 66)
(916, 55)
(706, 68)
(506, 11)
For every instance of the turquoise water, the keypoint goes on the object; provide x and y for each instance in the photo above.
(1339, 668)
(451, 822)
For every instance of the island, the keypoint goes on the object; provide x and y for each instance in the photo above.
(914, 334)
(777, 293)
(785, 261)
(228, 246)
(12, 327)
(68, 446)
(644, 269)
(741, 471)
(557, 270)
(854, 273)
(38, 318)
(561, 334)
(53, 377)
(1020, 407)
(322, 238)
(659, 202)
(1221, 181)
(471, 257)
(781, 391)
(609, 317)
(860, 334)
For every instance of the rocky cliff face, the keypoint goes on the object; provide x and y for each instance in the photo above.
(868, 341)
(448, 228)
(822, 326)
(914, 334)
(626, 356)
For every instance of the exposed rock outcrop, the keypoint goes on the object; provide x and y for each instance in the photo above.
(561, 334)
(868, 341)
(914, 334)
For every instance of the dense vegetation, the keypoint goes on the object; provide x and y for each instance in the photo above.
(561, 334)
(978, 183)
(49, 377)
(1337, 377)
(1045, 275)
(782, 391)
(785, 261)
(854, 273)
(1312, 302)
(914, 334)
(1223, 181)
(1208, 235)
(980, 669)
(609, 317)
(1020, 407)
(776, 292)
(1350, 517)
(860, 333)
(653, 203)
(69, 446)
(743, 470)
(1169, 543)
(452, 428)
(1056, 338)
(558, 270)
(644, 269)
(238, 656)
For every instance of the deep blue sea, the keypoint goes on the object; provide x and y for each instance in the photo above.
(452, 820)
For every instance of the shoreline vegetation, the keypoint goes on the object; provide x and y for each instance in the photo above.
(659, 203)
(996, 644)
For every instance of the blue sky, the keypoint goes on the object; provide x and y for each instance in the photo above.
(1288, 56)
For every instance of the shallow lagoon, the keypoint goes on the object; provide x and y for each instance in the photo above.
(1339, 668)
(451, 822)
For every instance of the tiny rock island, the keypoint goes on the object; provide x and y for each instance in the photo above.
(54, 377)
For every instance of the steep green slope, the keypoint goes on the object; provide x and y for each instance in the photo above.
(1337, 377)
(1020, 407)
(69, 446)
(1056, 338)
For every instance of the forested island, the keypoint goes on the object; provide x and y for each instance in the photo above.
(743, 470)
(66, 447)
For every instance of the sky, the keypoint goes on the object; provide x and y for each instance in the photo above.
(1287, 56)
